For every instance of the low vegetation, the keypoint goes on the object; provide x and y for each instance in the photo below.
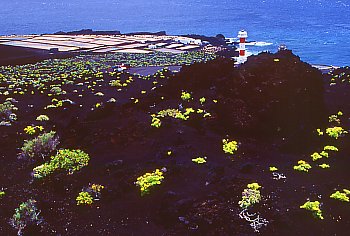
(250, 196)
(341, 196)
(147, 181)
(199, 160)
(40, 146)
(26, 214)
(84, 198)
(229, 147)
(134, 122)
(65, 160)
(302, 166)
(314, 207)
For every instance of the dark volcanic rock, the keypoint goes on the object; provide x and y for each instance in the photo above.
(11, 55)
(271, 95)
(89, 31)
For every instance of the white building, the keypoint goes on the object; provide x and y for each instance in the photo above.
(152, 46)
(186, 40)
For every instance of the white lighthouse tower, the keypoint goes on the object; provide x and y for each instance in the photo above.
(242, 35)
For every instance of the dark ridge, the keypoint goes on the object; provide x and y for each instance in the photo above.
(107, 32)
(270, 96)
(89, 31)
(159, 33)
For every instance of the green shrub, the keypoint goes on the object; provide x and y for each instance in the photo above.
(324, 154)
(330, 148)
(324, 166)
(335, 118)
(26, 214)
(341, 196)
(346, 191)
(66, 160)
(88, 195)
(115, 83)
(57, 91)
(6, 109)
(199, 160)
(302, 166)
(84, 198)
(6, 113)
(40, 146)
(319, 132)
(148, 180)
(43, 118)
(29, 130)
(314, 207)
(96, 190)
(335, 132)
(250, 196)
(156, 122)
(316, 156)
(229, 147)
(185, 96)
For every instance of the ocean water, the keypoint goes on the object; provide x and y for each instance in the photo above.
(316, 30)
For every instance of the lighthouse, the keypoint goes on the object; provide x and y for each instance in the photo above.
(242, 35)
(242, 53)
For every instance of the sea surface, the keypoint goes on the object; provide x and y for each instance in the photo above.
(316, 30)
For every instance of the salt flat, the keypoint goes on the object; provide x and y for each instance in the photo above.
(101, 43)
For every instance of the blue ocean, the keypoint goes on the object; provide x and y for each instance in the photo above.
(316, 30)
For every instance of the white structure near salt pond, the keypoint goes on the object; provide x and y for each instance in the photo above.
(186, 40)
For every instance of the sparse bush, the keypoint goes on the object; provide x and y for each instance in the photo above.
(250, 196)
(115, 83)
(96, 190)
(200, 160)
(40, 146)
(335, 118)
(319, 132)
(33, 129)
(6, 108)
(6, 113)
(26, 214)
(30, 130)
(57, 91)
(324, 166)
(156, 122)
(185, 96)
